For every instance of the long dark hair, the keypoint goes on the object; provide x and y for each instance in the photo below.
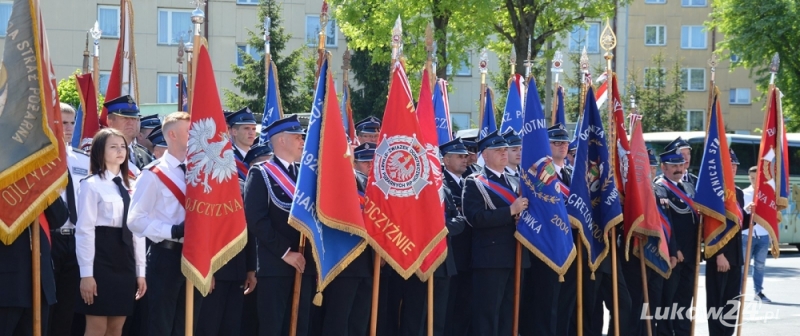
(97, 155)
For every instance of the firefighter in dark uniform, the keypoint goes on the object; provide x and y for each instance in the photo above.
(723, 275)
(458, 320)
(123, 115)
(16, 300)
(266, 207)
(242, 125)
(472, 158)
(676, 193)
(368, 129)
(685, 150)
(156, 137)
(514, 152)
(147, 125)
(493, 243)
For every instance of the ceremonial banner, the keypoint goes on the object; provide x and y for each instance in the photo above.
(715, 195)
(273, 110)
(33, 160)
(330, 198)
(86, 120)
(184, 94)
(123, 70)
(488, 124)
(593, 204)
(649, 220)
(429, 139)
(400, 199)
(559, 116)
(544, 226)
(771, 180)
(441, 108)
(620, 151)
(215, 225)
(512, 114)
(347, 118)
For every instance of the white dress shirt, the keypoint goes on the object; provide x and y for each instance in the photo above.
(78, 166)
(155, 210)
(100, 204)
(748, 198)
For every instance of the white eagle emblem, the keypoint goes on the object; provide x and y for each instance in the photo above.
(208, 159)
(401, 166)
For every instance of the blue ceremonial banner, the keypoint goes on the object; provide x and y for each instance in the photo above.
(544, 226)
(512, 114)
(77, 133)
(332, 248)
(184, 96)
(441, 111)
(593, 204)
(273, 110)
(654, 248)
(488, 124)
(560, 116)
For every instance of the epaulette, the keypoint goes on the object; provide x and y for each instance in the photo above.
(151, 164)
(80, 151)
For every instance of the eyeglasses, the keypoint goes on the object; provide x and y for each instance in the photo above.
(558, 143)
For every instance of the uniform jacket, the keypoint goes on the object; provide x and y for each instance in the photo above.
(683, 219)
(455, 224)
(732, 249)
(142, 156)
(461, 244)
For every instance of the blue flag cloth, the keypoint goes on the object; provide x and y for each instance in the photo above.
(560, 116)
(330, 247)
(77, 134)
(652, 257)
(441, 111)
(184, 96)
(273, 111)
(593, 204)
(512, 114)
(488, 124)
(544, 226)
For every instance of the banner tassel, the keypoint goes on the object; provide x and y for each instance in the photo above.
(318, 299)
(560, 278)
(592, 277)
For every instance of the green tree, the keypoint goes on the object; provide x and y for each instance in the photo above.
(306, 88)
(68, 90)
(249, 79)
(754, 31)
(369, 98)
(662, 110)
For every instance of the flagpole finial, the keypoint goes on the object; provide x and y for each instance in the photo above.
(323, 26)
(346, 59)
(773, 68)
(584, 61)
(608, 40)
(429, 41)
(528, 63)
(181, 51)
(558, 61)
(267, 26)
(397, 38)
(96, 34)
(483, 64)
(198, 16)
(712, 63)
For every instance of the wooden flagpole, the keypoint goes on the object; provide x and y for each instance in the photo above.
(96, 34)
(37, 278)
(181, 51)
(298, 283)
(430, 306)
(483, 67)
(376, 284)
(609, 41)
(517, 288)
(579, 304)
(644, 285)
(696, 271)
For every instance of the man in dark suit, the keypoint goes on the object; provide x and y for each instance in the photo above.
(490, 205)
(677, 194)
(16, 293)
(723, 275)
(267, 201)
(348, 298)
(458, 319)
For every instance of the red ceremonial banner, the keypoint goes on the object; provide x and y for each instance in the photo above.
(770, 171)
(215, 224)
(401, 202)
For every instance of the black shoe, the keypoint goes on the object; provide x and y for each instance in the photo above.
(763, 298)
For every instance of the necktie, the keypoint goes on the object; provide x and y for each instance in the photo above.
(566, 178)
(73, 213)
(127, 236)
(183, 167)
(680, 186)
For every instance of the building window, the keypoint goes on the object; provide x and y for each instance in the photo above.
(247, 2)
(246, 49)
(585, 36)
(735, 58)
(5, 15)
(108, 19)
(167, 89)
(655, 1)
(740, 96)
(174, 24)
(103, 77)
(464, 70)
(312, 32)
(654, 77)
(693, 79)
(693, 37)
(695, 120)
(460, 120)
(655, 35)
(693, 3)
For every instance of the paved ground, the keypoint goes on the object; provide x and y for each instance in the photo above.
(781, 285)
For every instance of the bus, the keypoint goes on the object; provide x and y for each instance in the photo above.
(746, 148)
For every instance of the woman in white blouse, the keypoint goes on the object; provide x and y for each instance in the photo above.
(111, 259)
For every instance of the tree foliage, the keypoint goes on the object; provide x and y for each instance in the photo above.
(662, 109)
(754, 31)
(249, 79)
(68, 90)
(370, 98)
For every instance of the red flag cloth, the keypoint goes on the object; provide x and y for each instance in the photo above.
(401, 203)
(38, 174)
(430, 139)
(215, 225)
(114, 88)
(620, 152)
(86, 92)
(768, 200)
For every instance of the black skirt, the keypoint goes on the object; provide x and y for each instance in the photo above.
(115, 275)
